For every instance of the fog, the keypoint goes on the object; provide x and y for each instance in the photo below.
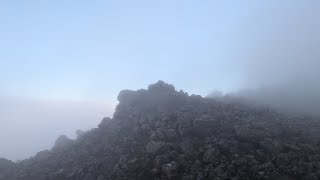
(28, 126)
(283, 66)
(62, 64)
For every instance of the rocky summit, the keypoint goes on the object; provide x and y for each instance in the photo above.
(163, 134)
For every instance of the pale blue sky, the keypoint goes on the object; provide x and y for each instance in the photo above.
(92, 49)
(77, 49)
(79, 54)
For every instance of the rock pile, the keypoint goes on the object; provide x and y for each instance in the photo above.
(163, 134)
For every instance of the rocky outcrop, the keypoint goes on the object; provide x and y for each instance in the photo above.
(6, 168)
(62, 143)
(163, 134)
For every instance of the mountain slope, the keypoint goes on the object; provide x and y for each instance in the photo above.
(160, 133)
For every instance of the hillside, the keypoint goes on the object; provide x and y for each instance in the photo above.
(163, 134)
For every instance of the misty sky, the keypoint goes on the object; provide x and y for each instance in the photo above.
(62, 63)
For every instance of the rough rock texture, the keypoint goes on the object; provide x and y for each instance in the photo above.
(163, 134)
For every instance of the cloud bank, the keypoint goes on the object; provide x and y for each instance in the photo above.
(28, 126)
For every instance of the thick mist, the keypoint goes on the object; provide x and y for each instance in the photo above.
(284, 60)
(62, 63)
(28, 126)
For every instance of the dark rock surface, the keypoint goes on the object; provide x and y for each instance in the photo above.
(163, 134)
(6, 168)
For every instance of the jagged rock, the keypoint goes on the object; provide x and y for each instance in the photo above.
(43, 155)
(128, 97)
(104, 123)
(61, 143)
(161, 87)
(163, 134)
(79, 133)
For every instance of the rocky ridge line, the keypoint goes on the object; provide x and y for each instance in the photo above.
(163, 134)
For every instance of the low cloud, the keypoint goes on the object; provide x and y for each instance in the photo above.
(28, 126)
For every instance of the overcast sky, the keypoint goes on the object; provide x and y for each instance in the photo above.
(62, 63)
